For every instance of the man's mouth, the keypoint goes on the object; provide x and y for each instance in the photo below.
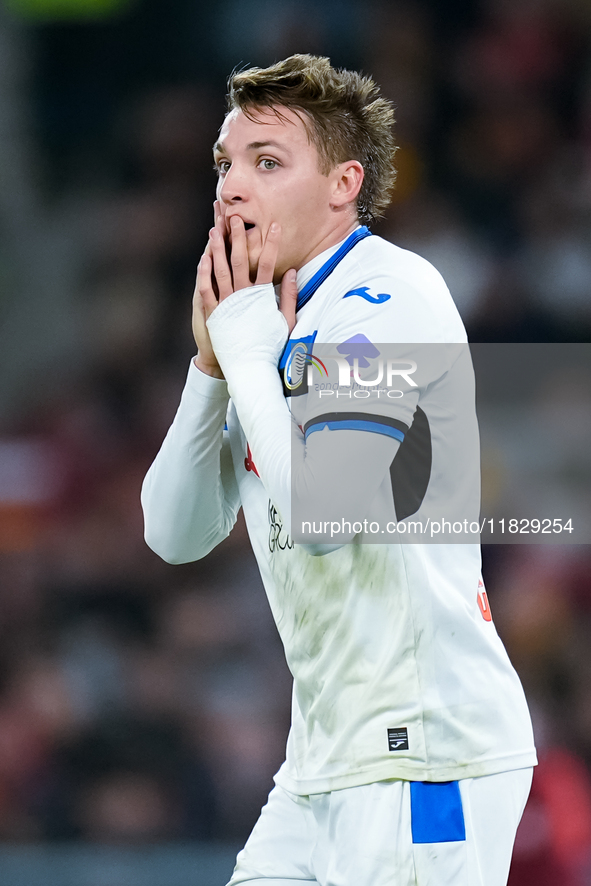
(248, 226)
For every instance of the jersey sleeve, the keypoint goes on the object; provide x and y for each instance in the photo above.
(378, 348)
(190, 497)
(399, 298)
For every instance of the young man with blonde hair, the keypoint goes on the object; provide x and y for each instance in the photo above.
(410, 754)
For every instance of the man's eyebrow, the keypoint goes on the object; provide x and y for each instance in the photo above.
(253, 146)
(219, 148)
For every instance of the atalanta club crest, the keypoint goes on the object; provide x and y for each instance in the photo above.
(293, 364)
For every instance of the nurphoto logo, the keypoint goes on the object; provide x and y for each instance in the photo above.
(355, 355)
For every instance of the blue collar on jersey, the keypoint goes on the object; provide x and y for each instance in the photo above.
(328, 267)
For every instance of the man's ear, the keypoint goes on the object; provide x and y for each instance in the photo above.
(347, 181)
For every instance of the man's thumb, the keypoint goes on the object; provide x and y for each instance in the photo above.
(288, 297)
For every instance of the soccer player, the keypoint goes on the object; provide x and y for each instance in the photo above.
(410, 754)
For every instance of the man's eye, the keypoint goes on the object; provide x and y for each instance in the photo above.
(222, 166)
(268, 164)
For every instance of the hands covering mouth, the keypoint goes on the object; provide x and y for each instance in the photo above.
(226, 257)
(224, 269)
(248, 225)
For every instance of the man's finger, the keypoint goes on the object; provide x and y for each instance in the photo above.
(221, 268)
(268, 257)
(214, 285)
(204, 286)
(220, 224)
(288, 298)
(239, 254)
(219, 221)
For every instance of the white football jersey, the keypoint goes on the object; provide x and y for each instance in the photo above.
(398, 669)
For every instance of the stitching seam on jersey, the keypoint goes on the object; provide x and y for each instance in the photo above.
(417, 671)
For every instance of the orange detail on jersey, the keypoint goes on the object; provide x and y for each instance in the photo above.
(248, 462)
(483, 603)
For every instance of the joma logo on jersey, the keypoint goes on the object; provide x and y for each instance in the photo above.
(363, 292)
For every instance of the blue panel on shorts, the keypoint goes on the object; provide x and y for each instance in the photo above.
(436, 812)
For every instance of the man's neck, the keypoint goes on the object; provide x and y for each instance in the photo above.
(332, 238)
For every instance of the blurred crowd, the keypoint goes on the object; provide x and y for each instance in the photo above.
(143, 701)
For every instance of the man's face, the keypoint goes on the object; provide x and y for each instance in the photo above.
(269, 172)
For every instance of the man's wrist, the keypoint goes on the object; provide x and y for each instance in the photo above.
(247, 327)
(211, 369)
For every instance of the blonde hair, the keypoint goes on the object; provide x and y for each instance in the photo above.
(343, 112)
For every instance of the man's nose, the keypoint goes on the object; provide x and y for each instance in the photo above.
(234, 187)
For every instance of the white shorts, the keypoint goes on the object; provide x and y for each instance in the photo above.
(390, 833)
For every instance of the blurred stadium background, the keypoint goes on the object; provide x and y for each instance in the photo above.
(143, 707)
